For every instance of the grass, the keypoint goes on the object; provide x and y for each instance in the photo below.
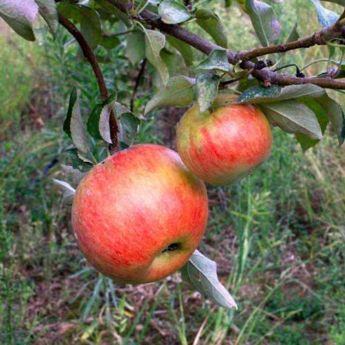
(278, 237)
(18, 62)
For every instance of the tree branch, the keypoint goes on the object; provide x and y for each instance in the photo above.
(265, 75)
(318, 38)
(91, 58)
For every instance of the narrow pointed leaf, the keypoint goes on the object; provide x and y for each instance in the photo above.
(335, 114)
(74, 126)
(326, 16)
(173, 12)
(154, 43)
(264, 21)
(48, 11)
(259, 94)
(20, 16)
(294, 35)
(211, 23)
(207, 90)
(201, 273)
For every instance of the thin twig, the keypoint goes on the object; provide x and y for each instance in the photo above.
(265, 74)
(91, 58)
(318, 38)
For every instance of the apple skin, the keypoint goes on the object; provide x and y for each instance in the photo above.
(223, 145)
(129, 209)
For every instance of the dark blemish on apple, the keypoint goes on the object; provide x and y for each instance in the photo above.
(172, 247)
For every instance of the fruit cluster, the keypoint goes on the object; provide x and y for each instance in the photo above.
(139, 215)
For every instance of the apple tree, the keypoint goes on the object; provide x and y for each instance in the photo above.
(184, 48)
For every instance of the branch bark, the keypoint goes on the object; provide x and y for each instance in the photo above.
(91, 58)
(265, 75)
(318, 38)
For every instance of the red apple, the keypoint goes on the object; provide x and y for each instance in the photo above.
(139, 215)
(225, 144)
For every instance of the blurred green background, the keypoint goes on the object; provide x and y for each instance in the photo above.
(278, 236)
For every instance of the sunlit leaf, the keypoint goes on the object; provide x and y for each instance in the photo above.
(20, 16)
(201, 273)
(67, 190)
(326, 16)
(173, 12)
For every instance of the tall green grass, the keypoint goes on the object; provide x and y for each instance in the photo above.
(18, 62)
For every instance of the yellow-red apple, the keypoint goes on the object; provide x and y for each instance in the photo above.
(139, 215)
(225, 144)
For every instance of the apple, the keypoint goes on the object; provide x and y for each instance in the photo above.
(222, 145)
(140, 214)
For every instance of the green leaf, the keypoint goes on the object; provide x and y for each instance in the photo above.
(294, 35)
(185, 50)
(322, 117)
(74, 126)
(154, 43)
(103, 124)
(48, 11)
(173, 12)
(335, 114)
(207, 90)
(98, 121)
(20, 16)
(178, 92)
(201, 273)
(259, 94)
(90, 26)
(293, 117)
(129, 125)
(326, 16)
(109, 41)
(217, 60)
(264, 21)
(174, 62)
(70, 11)
(211, 23)
(135, 50)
